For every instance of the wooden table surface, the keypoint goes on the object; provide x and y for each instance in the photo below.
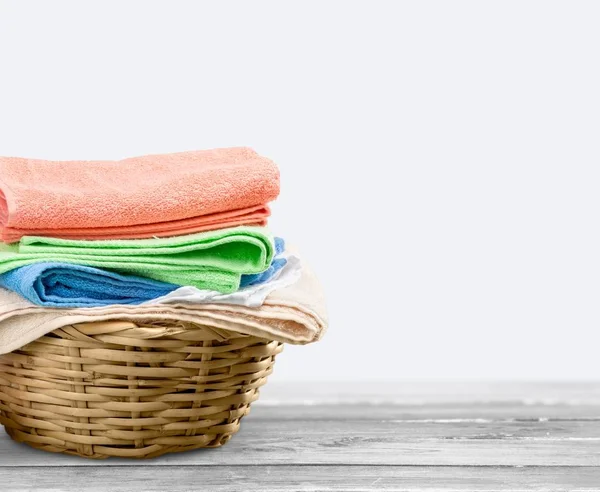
(396, 436)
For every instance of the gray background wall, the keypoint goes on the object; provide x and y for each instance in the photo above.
(439, 159)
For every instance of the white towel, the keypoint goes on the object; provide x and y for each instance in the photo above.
(251, 296)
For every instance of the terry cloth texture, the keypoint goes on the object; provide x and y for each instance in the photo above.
(294, 314)
(67, 285)
(276, 265)
(140, 197)
(251, 296)
(213, 260)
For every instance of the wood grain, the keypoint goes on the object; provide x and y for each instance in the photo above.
(430, 393)
(371, 443)
(520, 437)
(497, 411)
(293, 478)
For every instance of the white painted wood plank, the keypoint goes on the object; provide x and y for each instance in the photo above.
(355, 451)
(294, 478)
(446, 442)
(424, 393)
(427, 411)
(419, 424)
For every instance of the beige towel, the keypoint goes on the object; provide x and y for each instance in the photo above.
(294, 314)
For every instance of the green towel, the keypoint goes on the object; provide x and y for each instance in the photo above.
(213, 260)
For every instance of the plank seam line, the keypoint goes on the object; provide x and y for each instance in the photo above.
(306, 465)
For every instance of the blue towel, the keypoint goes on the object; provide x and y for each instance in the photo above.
(67, 285)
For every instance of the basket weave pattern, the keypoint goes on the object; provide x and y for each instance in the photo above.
(135, 390)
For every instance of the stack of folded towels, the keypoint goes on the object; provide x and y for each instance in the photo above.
(177, 236)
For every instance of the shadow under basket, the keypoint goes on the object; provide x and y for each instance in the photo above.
(132, 389)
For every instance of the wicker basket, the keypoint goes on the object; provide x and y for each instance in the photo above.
(135, 390)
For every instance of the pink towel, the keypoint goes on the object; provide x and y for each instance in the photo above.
(140, 197)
